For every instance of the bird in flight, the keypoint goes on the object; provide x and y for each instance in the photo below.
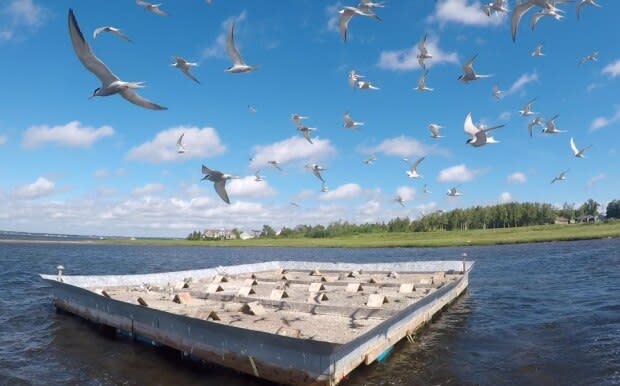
(110, 83)
(219, 181)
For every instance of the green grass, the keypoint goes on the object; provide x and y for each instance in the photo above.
(417, 239)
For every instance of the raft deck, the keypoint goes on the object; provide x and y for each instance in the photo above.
(298, 323)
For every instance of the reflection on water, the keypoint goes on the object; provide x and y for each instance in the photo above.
(533, 314)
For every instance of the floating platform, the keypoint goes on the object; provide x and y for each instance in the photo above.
(296, 323)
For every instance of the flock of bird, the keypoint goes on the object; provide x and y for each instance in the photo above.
(479, 135)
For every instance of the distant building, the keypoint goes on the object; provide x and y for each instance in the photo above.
(246, 236)
(222, 234)
(561, 221)
(589, 219)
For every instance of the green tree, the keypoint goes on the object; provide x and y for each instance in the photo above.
(613, 209)
(267, 232)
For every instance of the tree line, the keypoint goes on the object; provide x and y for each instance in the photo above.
(478, 217)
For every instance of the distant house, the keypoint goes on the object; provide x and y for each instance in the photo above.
(246, 236)
(561, 221)
(588, 219)
(222, 234)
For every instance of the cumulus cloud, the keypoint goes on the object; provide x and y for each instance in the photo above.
(406, 147)
(600, 122)
(406, 59)
(517, 178)
(595, 179)
(612, 69)
(40, 188)
(249, 187)
(218, 48)
(199, 143)
(505, 198)
(19, 17)
(464, 12)
(73, 134)
(458, 173)
(405, 192)
(292, 149)
(342, 192)
(148, 189)
(370, 208)
(521, 82)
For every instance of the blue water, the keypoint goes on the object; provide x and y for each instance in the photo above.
(537, 314)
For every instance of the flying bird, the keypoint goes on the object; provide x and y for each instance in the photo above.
(413, 170)
(423, 52)
(113, 30)
(478, 135)
(421, 85)
(324, 188)
(296, 205)
(586, 2)
(219, 181)
(426, 190)
(110, 83)
(370, 160)
(369, 4)
(550, 127)
(252, 109)
(497, 93)
(593, 57)
(554, 13)
(469, 74)
(434, 129)
(316, 170)
(400, 200)
(527, 108)
(180, 147)
(560, 177)
(347, 13)
(452, 192)
(153, 8)
(578, 152)
(538, 50)
(349, 123)
(538, 121)
(184, 66)
(258, 177)
(496, 6)
(239, 66)
(547, 6)
(296, 118)
(306, 131)
(275, 164)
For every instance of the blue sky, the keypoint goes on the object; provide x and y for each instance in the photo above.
(104, 166)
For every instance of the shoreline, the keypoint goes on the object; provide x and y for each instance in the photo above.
(437, 239)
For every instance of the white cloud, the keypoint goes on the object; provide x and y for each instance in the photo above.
(148, 189)
(458, 173)
(405, 60)
(521, 82)
(405, 192)
(18, 17)
(505, 198)
(426, 208)
(406, 147)
(612, 69)
(600, 122)
(40, 188)
(464, 12)
(517, 178)
(3, 139)
(218, 48)
(342, 192)
(73, 134)
(333, 16)
(291, 149)
(370, 208)
(199, 143)
(101, 173)
(595, 179)
(249, 187)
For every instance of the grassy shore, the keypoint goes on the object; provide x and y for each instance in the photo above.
(419, 239)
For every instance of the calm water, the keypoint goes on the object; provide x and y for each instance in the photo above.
(542, 314)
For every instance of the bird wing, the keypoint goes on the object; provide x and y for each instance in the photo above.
(180, 140)
(306, 134)
(492, 128)
(85, 54)
(573, 146)
(434, 130)
(121, 35)
(416, 163)
(97, 31)
(468, 67)
(185, 70)
(422, 47)
(136, 99)
(343, 24)
(528, 105)
(517, 14)
(231, 50)
(469, 126)
(422, 79)
(347, 120)
(220, 188)
(317, 173)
